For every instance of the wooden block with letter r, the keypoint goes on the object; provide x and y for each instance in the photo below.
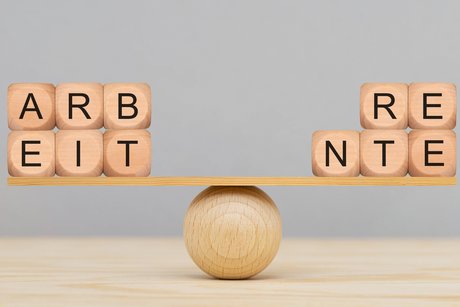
(79, 153)
(432, 106)
(383, 105)
(127, 153)
(335, 153)
(31, 153)
(432, 153)
(80, 106)
(31, 106)
(127, 106)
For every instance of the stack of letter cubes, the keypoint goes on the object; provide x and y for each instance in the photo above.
(79, 147)
(384, 148)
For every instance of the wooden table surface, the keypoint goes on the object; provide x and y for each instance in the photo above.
(158, 272)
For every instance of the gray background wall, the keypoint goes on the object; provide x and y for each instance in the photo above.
(238, 87)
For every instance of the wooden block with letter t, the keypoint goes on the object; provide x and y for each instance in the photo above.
(79, 153)
(432, 153)
(31, 153)
(127, 106)
(31, 106)
(80, 106)
(383, 153)
(335, 153)
(432, 105)
(127, 153)
(383, 105)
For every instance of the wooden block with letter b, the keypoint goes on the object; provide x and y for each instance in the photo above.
(80, 106)
(31, 153)
(335, 153)
(432, 153)
(127, 106)
(432, 105)
(127, 153)
(383, 105)
(31, 106)
(384, 153)
(79, 153)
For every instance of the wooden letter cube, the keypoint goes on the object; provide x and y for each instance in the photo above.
(432, 105)
(127, 106)
(384, 153)
(335, 153)
(432, 153)
(80, 106)
(31, 106)
(31, 153)
(127, 153)
(79, 153)
(384, 106)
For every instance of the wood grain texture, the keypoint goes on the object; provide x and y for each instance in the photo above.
(139, 272)
(232, 232)
(232, 181)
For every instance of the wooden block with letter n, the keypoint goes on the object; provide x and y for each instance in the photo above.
(335, 153)
(127, 106)
(79, 153)
(432, 105)
(31, 153)
(127, 153)
(31, 106)
(384, 153)
(80, 106)
(383, 105)
(432, 153)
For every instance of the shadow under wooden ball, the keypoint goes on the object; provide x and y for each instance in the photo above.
(232, 232)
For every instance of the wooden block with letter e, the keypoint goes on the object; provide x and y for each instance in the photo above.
(31, 106)
(127, 105)
(335, 153)
(432, 105)
(31, 153)
(384, 153)
(383, 105)
(79, 153)
(432, 153)
(80, 106)
(127, 153)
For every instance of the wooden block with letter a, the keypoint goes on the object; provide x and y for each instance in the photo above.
(79, 153)
(31, 153)
(31, 106)
(80, 106)
(383, 153)
(127, 106)
(432, 153)
(335, 153)
(127, 153)
(383, 105)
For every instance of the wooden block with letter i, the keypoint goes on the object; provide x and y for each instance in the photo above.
(127, 106)
(432, 153)
(127, 153)
(31, 153)
(80, 106)
(31, 106)
(432, 105)
(383, 105)
(335, 153)
(383, 153)
(79, 153)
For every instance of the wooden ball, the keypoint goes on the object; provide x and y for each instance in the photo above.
(232, 232)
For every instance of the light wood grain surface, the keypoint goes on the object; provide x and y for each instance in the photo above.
(158, 272)
(232, 181)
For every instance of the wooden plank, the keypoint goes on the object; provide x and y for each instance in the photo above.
(140, 272)
(232, 181)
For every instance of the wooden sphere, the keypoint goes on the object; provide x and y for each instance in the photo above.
(232, 232)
